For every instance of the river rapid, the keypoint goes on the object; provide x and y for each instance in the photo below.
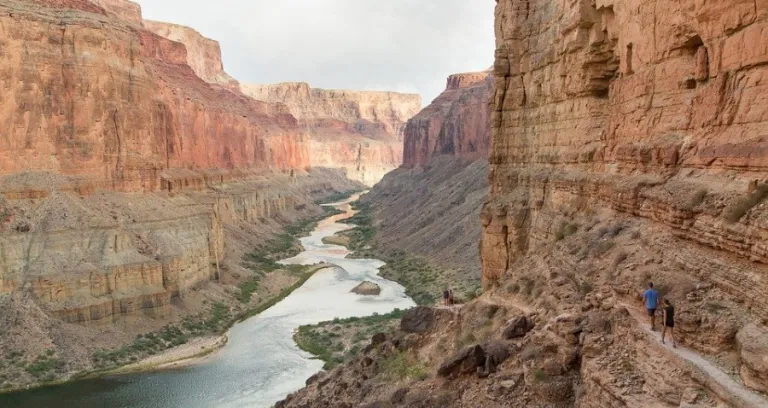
(260, 364)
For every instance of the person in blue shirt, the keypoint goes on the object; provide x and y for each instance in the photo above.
(651, 300)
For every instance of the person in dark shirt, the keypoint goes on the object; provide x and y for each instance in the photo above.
(669, 322)
(446, 296)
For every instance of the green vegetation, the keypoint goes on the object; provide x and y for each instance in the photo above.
(565, 230)
(423, 281)
(738, 210)
(5, 215)
(404, 365)
(339, 340)
(308, 272)
(540, 375)
(209, 322)
(263, 259)
(44, 368)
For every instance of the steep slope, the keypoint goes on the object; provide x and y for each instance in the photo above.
(361, 132)
(429, 207)
(131, 189)
(117, 106)
(663, 134)
(628, 147)
(203, 54)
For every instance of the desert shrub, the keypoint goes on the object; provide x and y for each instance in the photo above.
(738, 210)
(565, 230)
(696, 199)
(530, 352)
(601, 247)
(539, 375)
(403, 365)
(586, 288)
(513, 288)
(620, 257)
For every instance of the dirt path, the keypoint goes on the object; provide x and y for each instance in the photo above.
(720, 382)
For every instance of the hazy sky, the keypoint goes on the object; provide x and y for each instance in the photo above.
(400, 45)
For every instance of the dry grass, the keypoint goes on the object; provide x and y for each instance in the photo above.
(738, 210)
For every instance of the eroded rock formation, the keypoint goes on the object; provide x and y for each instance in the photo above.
(628, 146)
(203, 54)
(116, 106)
(648, 115)
(361, 132)
(125, 10)
(457, 123)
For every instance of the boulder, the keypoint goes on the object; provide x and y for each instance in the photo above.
(466, 362)
(367, 289)
(517, 327)
(753, 346)
(418, 320)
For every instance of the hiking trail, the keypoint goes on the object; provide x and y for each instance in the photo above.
(721, 383)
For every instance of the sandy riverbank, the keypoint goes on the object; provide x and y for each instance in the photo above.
(194, 352)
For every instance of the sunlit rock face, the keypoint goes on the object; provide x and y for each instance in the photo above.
(359, 131)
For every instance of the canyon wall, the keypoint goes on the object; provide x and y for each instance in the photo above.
(125, 10)
(651, 117)
(203, 54)
(127, 159)
(457, 123)
(116, 106)
(360, 131)
(629, 145)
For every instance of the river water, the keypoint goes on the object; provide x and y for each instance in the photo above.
(260, 364)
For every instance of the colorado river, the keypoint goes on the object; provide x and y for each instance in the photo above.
(261, 364)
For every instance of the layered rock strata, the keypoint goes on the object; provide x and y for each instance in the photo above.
(95, 258)
(203, 54)
(457, 123)
(125, 10)
(116, 106)
(360, 131)
(650, 115)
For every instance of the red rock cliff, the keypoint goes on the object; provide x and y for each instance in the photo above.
(457, 123)
(116, 106)
(125, 10)
(359, 131)
(648, 117)
(203, 54)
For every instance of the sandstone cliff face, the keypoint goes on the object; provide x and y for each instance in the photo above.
(116, 106)
(125, 10)
(456, 124)
(358, 131)
(203, 54)
(650, 115)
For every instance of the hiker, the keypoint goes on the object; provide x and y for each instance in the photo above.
(669, 322)
(450, 297)
(651, 300)
(447, 296)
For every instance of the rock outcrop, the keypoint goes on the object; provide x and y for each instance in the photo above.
(629, 145)
(118, 107)
(125, 10)
(457, 123)
(361, 132)
(203, 54)
(367, 289)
